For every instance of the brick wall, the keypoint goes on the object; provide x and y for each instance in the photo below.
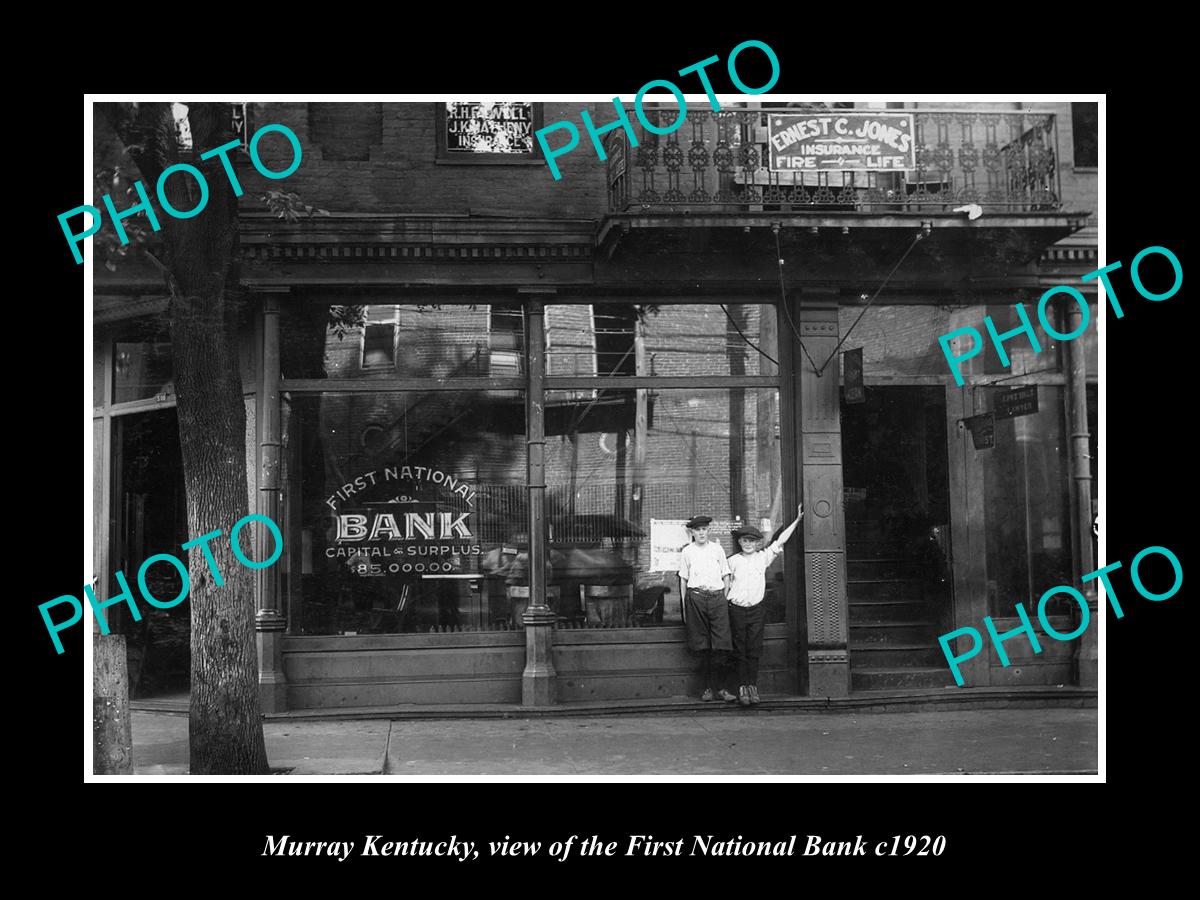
(903, 340)
(400, 173)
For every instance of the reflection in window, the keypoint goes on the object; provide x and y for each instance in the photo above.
(615, 327)
(424, 526)
(1084, 134)
(626, 468)
(140, 370)
(379, 338)
(1026, 504)
(506, 339)
(629, 339)
(98, 379)
(406, 512)
(389, 340)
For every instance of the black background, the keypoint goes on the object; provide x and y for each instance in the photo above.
(989, 830)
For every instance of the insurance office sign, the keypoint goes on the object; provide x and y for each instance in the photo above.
(841, 142)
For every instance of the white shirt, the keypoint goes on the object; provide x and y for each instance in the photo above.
(750, 575)
(703, 566)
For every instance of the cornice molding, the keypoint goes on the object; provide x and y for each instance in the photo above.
(416, 237)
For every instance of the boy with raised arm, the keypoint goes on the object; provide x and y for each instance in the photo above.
(746, 591)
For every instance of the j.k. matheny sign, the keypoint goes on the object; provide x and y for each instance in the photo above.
(845, 142)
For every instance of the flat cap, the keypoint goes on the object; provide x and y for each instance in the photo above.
(749, 531)
(698, 521)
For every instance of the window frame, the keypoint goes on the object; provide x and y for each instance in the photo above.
(446, 157)
(393, 322)
(1075, 164)
(499, 336)
(297, 387)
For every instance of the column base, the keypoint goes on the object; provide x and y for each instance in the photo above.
(272, 692)
(1088, 658)
(828, 673)
(272, 683)
(539, 681)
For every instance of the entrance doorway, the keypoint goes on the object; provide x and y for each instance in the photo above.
(150, 515)
(896, 474)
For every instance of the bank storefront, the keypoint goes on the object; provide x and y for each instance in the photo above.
(440, 465)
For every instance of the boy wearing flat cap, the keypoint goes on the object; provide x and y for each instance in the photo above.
(746, 613)
(704, 581)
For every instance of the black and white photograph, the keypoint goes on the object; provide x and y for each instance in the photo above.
(702, 435)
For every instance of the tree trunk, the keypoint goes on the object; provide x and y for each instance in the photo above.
(225, 726)
(200, 266)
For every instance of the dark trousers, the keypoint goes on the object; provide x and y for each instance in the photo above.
(707, 624)
(714, 669)
(747, 625)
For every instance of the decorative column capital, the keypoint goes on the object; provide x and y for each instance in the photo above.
(539, 616)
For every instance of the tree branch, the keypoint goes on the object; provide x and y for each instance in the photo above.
(148, 132)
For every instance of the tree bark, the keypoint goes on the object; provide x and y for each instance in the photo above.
(225, 730)
(201, 254)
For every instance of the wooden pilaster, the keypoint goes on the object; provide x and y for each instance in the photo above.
(1082, 558)
(821, 476)
(269, 623)
(538, 686)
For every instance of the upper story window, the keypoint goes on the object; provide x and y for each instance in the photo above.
(1084, 134)
(379, 338)
(506, 339)
(141, 370)
(699, 340)
(486, 131)
(613, 327)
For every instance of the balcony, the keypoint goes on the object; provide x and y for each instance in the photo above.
(717, 162)
(844, 190)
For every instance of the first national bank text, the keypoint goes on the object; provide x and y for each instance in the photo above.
(633, 845)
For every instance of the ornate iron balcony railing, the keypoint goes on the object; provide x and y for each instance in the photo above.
(717, 161)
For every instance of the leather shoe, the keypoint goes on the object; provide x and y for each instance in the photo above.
(726, 696)
(707, 695)
(744, 695)
(753, 693)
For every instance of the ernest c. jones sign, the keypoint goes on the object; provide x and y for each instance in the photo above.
(841, 142)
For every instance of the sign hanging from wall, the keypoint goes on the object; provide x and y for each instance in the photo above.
(1022, 401)
(841, 142)
(983, 430)
(668, 537)
(489, 127)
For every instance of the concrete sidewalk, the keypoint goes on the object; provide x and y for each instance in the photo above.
(725, 741)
